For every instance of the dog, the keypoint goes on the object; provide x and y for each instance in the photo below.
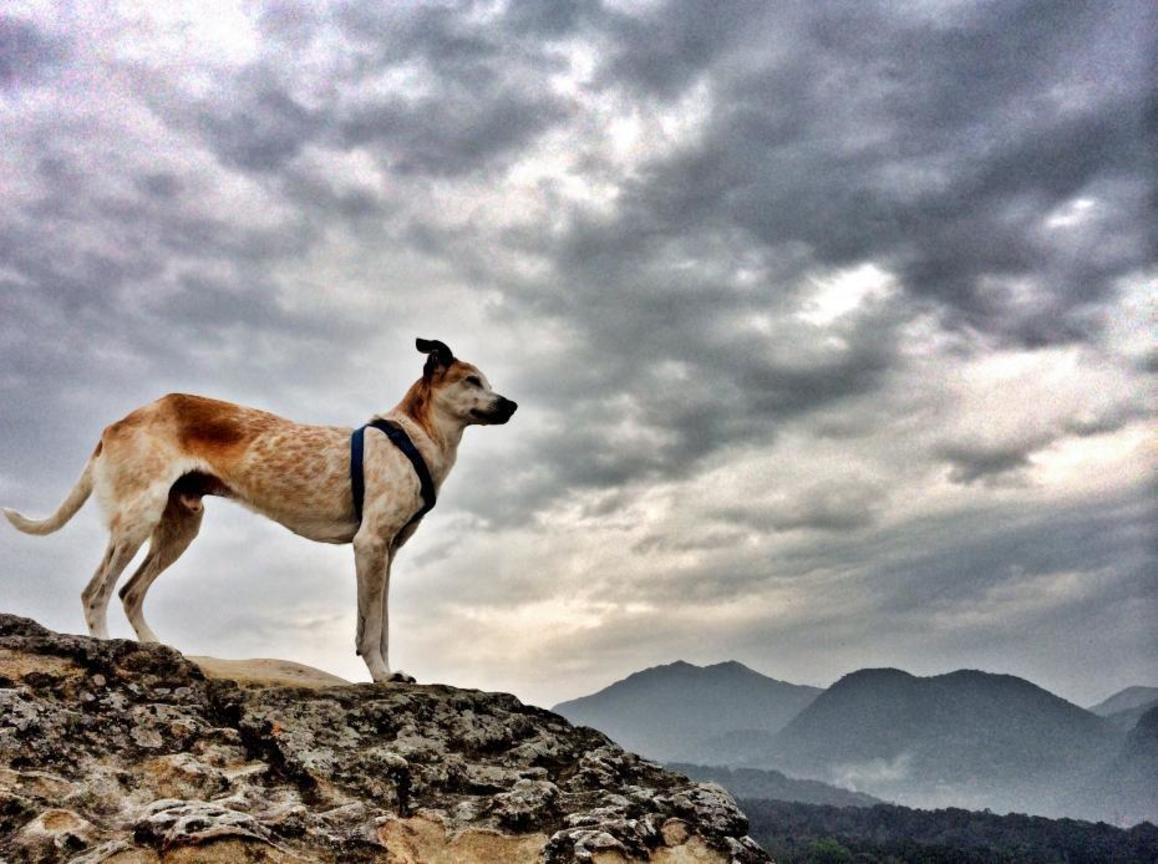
(151, 470)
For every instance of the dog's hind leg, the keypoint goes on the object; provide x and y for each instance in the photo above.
(177, 529)
(95, 597)
(129, 528)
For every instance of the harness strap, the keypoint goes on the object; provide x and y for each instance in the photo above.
(402, 441)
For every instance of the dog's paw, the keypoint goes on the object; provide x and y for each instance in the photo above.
(401, 678)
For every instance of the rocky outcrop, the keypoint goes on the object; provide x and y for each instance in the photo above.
(114, 752)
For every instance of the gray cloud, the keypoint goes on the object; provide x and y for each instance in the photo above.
(26, 53)
(838, 507)
(939, 155)
(1088, 539)
(988, 463)
(479, 93)
(263, 130)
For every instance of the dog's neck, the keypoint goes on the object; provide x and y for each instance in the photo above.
(438, 435)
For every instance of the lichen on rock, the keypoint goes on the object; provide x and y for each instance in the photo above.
(115, 752)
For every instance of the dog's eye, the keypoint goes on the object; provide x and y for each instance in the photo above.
(473, 381)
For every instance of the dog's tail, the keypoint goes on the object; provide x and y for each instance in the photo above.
(65, 511)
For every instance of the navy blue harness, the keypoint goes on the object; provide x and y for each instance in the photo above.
(402, 441)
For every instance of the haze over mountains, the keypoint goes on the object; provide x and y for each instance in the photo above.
(966, 739)
(766, 784)
(1127, 787)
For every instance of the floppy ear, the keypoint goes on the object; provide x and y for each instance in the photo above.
(437, 354)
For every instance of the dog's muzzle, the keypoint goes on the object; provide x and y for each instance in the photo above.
(500, 413)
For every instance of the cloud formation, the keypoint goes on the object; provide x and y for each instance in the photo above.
(828, 319)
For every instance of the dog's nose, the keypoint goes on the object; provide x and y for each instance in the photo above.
(504, 408)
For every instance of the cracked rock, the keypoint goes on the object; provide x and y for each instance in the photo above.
(114, 752)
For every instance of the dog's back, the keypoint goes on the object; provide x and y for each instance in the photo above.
(291, 472)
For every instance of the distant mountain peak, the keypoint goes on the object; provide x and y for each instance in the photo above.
(684, 669)
(674, 666)
(684, 711)
(733, 666)
(883, 673)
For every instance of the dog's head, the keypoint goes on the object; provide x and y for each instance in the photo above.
(459, 389)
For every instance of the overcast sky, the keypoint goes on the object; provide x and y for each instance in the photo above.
(830, 322)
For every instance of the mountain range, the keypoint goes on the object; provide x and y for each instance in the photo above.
(964, 739)
(968, 739)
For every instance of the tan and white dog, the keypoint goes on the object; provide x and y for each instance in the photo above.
(151, 470)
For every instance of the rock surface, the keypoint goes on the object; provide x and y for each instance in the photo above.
(114, 752)
(269, 673)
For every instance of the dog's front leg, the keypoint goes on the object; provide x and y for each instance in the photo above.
(384, 644)
(372, 560)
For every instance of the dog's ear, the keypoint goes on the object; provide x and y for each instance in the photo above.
(438, 354)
